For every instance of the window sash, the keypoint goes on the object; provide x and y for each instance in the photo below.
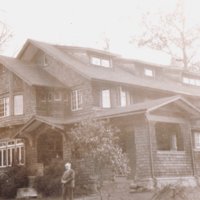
(96, 61)
(4, 107)
(57, 96)
(105, 63)
(197, 140)
(18, 104)
(106, 99)
(185, 80)
(149, 72)
(76, 98)
(121, 97)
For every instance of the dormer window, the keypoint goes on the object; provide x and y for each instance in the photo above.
(191, 81)
(45, 60)
(101, 62)
(185, 80)
(149, 72)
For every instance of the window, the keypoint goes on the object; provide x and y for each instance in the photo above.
(191, 81)
(8, 153)
(100, 62)
(149, 72)
(185, 80)
(96, 61)
(106, 98)
(45, 60)
(168, 137)
(121, 97)
(76, 100)
(2, 69)
(65, 96)
(50, 96)
(197, 139)
(18, 104)
(105, 63)
(4, 107)
(43, 97)
(57, 96)
(198, 82)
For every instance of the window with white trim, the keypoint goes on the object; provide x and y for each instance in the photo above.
(10, 149)
(185, 80)
(149, 72)
(191, 81)
(121, 97)
(76, 100)
(101, 62)
(106, 98)
(197, 139)
(4, 107)
(18, 105)
(57, 96)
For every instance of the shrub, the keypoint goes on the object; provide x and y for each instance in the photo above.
(50, 183)
(13, 178)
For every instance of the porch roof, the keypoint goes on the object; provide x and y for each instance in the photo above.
(144, 107)
(148, 107)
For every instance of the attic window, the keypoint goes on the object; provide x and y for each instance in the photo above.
(149, 72)
(45, 60)
(191, 81)
(101, 62)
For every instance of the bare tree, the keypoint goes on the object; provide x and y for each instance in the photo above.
(5, 34)
(106, 40)
(171, 32)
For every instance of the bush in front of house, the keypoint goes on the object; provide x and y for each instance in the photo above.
(50, 183)
(11, 179)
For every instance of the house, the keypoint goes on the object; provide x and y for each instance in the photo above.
(48, 88)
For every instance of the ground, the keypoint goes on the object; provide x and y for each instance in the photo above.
(121, 193)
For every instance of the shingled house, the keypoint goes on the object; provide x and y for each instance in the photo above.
(48, 87)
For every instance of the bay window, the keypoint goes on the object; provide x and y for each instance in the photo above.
(11, 150)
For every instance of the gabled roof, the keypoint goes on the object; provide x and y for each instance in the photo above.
(117, 75)
(30, 72)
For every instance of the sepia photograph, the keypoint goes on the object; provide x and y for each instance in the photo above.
(100, 100)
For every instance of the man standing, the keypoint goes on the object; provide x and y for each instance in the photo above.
(68, 182)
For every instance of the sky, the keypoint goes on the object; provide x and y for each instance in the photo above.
(81, 23)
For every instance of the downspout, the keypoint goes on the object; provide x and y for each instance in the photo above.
(191, 144)
(150, 143)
